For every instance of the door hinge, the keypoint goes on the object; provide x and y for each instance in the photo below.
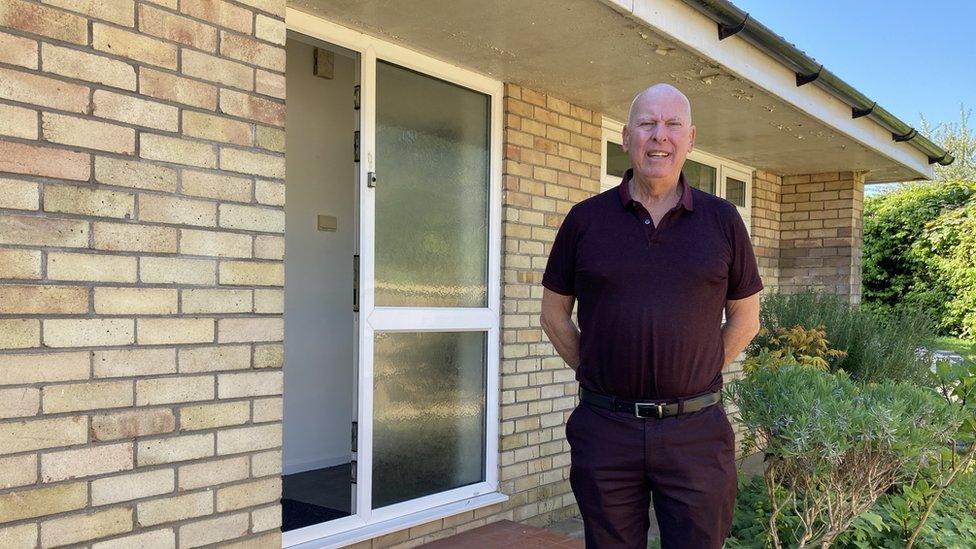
(352, 471)
(355, 436)
(355, 302)
(355, 97)
(355, 146)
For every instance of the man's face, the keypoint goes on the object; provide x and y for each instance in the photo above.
(659, 136)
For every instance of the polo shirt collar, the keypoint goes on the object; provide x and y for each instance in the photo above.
(686, 199)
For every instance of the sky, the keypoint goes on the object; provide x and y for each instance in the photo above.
(915, 58)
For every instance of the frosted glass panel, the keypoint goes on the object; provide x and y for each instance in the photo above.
(617, 160)
(735, 191)
(699, 176)
(428, 414)
(432, 141)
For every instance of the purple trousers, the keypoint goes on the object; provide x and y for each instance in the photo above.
(687, 462)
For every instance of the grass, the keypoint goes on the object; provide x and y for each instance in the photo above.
(964, 347)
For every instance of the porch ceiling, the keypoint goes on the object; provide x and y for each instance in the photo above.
(592, 55)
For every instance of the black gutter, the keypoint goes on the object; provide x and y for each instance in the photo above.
(733, 21)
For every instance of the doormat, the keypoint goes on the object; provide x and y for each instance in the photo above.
(299, 514)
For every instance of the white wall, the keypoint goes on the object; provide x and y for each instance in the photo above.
(319, 335)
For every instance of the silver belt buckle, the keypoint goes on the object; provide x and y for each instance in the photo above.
(656, 406)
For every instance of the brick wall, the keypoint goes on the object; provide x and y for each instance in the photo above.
(821, 238)
(765, 230)
(141, 221)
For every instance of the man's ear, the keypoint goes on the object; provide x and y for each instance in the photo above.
(693, 132)
(623, 136)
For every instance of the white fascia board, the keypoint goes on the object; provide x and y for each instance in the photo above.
(685, 25)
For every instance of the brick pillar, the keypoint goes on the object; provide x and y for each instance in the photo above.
(821, 233)
(141, 247)
(765, 229)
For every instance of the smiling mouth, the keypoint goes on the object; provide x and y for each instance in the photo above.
(658, 154)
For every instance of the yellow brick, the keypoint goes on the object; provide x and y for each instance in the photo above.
(17, 50)
(178, 211)
(211, 359)
(221, 187)
(19, 333)
(239, 330)
(128, 237)
(220, 13)
(266, 518)
(266, 463)
(86, 462)
(205, 532)
(248, 494)
(269, 247)
(269, 356)
(248, 439)
(251, 51)
(132, 423)
(252, 163)
(42, 501)
(252, 273)
(216, 244)
(88, 201)
(270, 138)
(170, 87)
(134, 46)
(43, 231)
(249, 384)
(116, 11)
(37, 19)
(16, 194)
(168, 390)
(25, 436)
(137, 112)
(22, 535)
(178, 29)
(155, 539)
(269, 83)
(173, 270)
(134, 362)
(31, 300)
(71, 397)
(165, 331)
(270, 192)
(91, 332)
(173, 449)
(91, 267)
(19, 402)
(22, 369)
(216, 128)
(39, 90)
(20, 264)
(17, 471)
(83, 527)
(208, 416)
(216, 301)
(271, 539)
(135, 174)
(269, 301)
(88, 66)
(213, 473)
(136, 301)
(267, 409)
(131, 486)
(272, 30)
(252, 218)
(216, 69)
(18, 122)
(177, 150)
(80, 132)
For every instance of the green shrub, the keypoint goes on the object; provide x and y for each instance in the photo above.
(832, 446)
(875, 347)
(948, 244)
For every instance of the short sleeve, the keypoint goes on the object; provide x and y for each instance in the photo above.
(560, 275)
(744, 279)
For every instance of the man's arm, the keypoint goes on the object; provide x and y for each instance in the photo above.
(557, 322)
(742, 324)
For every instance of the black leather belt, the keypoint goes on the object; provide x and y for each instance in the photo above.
(649, 408)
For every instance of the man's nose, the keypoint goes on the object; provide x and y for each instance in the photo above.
(659, 133)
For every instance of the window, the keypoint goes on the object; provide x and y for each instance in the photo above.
(707, 172)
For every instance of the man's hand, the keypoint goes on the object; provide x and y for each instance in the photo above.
(557, 322)
(742, 324)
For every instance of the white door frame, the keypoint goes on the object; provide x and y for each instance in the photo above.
(367, 523)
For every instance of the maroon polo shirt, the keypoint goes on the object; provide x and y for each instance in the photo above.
(650, 299)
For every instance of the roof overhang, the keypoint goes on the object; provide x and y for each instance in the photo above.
(600, 53)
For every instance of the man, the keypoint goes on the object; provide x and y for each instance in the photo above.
(653, 264)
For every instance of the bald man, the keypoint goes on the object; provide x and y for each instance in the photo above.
(653, 263)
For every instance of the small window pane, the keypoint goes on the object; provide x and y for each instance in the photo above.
(700, 176)
(735, 191)
(617, 160)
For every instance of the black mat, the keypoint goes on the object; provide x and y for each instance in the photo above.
(299, 514)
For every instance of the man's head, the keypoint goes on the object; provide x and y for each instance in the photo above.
(659, 134)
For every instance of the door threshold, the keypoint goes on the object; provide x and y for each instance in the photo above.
(293, 540)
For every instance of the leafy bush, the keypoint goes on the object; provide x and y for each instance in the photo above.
(789, 345)
(949, 245)
(896, 272)
(875, 347)
(834, 447)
